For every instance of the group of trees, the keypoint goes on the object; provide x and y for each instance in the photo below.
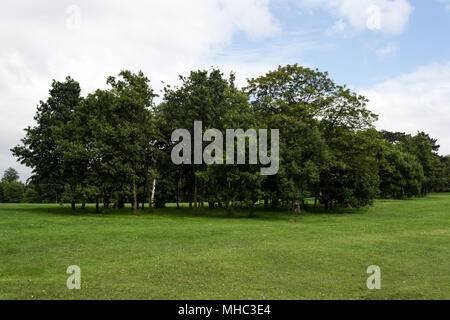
(114, 145)
(11, 190)
(413, 166)
(14, 191)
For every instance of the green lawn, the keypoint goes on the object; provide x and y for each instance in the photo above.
(175, 255)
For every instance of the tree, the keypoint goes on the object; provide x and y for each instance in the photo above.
(350, 177)
(394, 137)
(13, 192)
(31, 196)
(425, 150)
(115, 145)
(303, 153)
(205, 96)
(403, 177)
(134, 99)
(10, 175)
(327, 112)
(2, 197)
(310, 96)
(445, 182)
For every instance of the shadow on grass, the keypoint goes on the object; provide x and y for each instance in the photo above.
(260, 213)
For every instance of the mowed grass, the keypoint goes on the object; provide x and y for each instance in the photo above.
(173, 254)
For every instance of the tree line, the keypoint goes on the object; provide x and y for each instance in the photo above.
(114, 145)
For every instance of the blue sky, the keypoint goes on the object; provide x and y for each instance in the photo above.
(395, 52)
(357, 58)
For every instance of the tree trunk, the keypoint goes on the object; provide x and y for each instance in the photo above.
(252, 210)
(296, 207)
(227, 200)
(97, 204)
(83, 205)
(146, 187)
(275, 202)
(195, 194)
(134, 196)
(73, 205)
(178, 193)
(106, 202)
(152, 196)
(228, 207)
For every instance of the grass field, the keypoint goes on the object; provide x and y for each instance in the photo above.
(175, 255)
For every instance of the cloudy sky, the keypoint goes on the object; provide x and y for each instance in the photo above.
(396, 52)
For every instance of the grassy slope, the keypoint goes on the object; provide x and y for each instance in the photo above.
(173, 255)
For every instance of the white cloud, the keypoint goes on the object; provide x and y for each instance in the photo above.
(338, 27)
(387, 16)
(418, 101)
(45, 40)
(389, 50)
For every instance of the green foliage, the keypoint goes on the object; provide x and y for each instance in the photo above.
(414, 167)
(10, 175)
(13, 192)
(31, 196)
(350, 177)
(45, 145)
(111, 145)
(445, 174)
(403, 177)
(1, 191)
(327, 147)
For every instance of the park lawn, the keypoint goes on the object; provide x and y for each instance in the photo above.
(173, 254)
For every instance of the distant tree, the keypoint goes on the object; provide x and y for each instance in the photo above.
(10, 189)
(445, 160)
(1, 191)
(403, 176)
(13, 192)
(10, 175)
(31, 196)
(394, 137)
(350, 177)
(425, 150)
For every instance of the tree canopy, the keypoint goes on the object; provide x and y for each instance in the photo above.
(114, 145)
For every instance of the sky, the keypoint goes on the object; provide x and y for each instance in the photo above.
(395, 52)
